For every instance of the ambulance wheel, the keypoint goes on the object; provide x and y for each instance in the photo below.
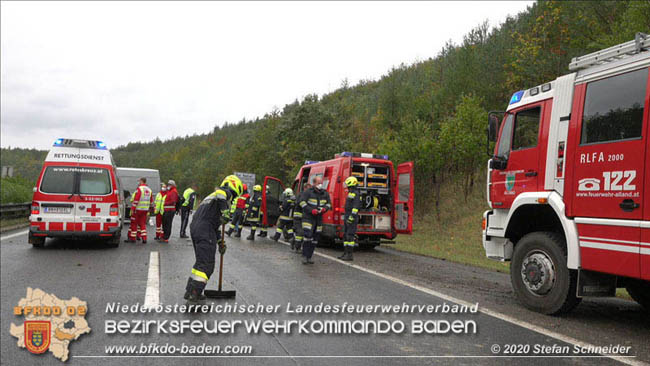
(36, 241)
(639, 291)
(114, 241)
(539, 275)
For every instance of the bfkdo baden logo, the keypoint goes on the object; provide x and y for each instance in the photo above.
(37, 335)
(50, 324)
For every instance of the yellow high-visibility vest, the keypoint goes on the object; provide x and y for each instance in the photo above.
(159, 204)
(145, 199)
(186, 196)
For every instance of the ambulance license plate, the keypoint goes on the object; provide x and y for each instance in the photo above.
(57, 210)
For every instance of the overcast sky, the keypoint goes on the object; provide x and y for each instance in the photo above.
(127, 71)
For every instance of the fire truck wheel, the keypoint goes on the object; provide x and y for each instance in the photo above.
(539, 275)
(640, 291)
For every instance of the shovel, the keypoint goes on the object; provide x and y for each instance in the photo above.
(220, 294)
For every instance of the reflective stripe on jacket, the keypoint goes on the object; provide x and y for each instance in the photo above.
(171, 198)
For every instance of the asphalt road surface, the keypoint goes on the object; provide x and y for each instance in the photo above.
(267, 273)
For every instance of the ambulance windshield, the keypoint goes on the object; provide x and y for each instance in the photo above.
(58, 179)
(61, 180)
(94, 181)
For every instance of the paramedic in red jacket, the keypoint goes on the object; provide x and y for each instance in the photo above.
(171, 203)
(142, 201)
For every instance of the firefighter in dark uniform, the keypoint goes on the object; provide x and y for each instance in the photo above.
(351, 217)
(204, 230)
(285, 222)
(314, 203)
(296, 242)
(254, 206)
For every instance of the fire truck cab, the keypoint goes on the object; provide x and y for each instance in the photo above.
(569, 182)
(77, 194)
(387, 196)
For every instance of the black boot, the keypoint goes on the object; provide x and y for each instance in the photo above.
(345, 252)
(298, 246)
(348, 253)
(229, 231)
(195, 289)
(276, 236)
(188, 289)
(196, 295)
(293, 244)
(238, 234)
(251, 236)
(262, 234)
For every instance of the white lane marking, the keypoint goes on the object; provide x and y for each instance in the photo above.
(549, 333)
(14, 235)
(152, 295)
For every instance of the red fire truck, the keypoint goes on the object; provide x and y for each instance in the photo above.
(569, 182)
(387, 195)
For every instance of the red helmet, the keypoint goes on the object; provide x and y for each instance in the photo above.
(245, 187)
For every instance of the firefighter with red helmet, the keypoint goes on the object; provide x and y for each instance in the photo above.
(204, 231)
(350, 217)
(240, 205)
(142, 201)
(315, 203)
(169, 209)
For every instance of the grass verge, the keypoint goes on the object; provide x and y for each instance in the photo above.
(7, 223)
(456, 236)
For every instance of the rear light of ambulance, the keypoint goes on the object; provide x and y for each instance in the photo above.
(114, 210)
(484, 224)
(36, 209)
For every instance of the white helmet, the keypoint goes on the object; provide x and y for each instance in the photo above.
(288, 192)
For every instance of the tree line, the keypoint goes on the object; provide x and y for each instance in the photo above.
(432, 112)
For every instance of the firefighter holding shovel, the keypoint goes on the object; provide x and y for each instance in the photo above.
(206, 236)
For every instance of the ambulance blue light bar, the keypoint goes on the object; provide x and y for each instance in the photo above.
(309, 162)
(347, 154)
(88, 144)
(516, 97)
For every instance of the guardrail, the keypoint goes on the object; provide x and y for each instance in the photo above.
(13, 210)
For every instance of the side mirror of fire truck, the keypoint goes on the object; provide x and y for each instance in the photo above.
(492, 129)
(498, 163)
(493, 124)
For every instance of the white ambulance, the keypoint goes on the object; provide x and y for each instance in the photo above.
(77, 194)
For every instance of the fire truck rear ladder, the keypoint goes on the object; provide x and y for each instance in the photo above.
(641, 41)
